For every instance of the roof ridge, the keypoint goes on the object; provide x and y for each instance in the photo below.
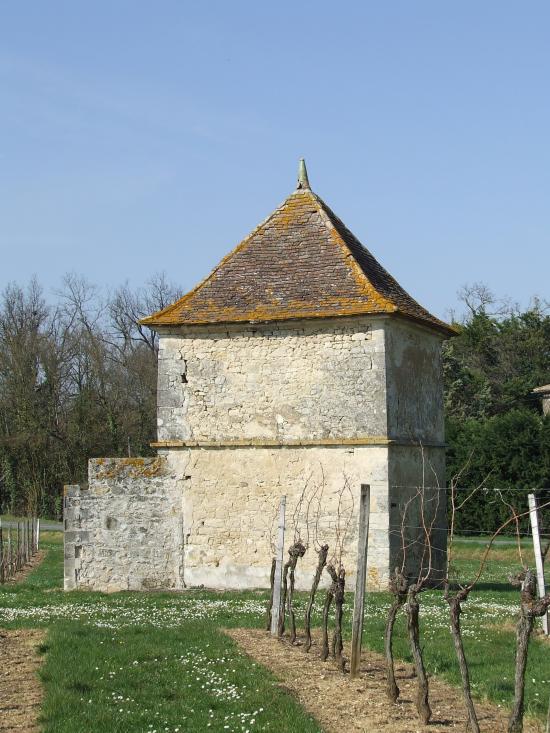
(238, 247)
(328, 215)
(375, 267)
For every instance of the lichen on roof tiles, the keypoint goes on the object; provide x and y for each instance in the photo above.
(301, 262)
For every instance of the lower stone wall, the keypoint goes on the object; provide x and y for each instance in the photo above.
(411, 468)
(230, 500)
(124, 532)
(208, 516)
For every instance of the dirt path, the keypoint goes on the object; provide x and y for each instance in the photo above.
(20, 688)
(35, 560)
(342, 704)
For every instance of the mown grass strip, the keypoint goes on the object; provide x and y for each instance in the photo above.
(135, 679)
(110, 632)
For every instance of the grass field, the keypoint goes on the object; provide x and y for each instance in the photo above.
(159, 662)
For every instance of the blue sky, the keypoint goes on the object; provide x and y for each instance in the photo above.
(137, 137)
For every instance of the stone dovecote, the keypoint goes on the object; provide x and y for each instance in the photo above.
(298, 360)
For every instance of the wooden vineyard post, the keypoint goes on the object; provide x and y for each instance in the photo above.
(276, 607)
(360, 580)
(10, 558)
(18, 548)
(2, 560)
(534, 517)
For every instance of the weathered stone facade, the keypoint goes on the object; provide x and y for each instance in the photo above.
(298, 362)
(339, 402)
(124, 532)
(325, 403)
(280, 382)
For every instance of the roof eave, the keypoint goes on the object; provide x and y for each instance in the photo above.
(441, 328)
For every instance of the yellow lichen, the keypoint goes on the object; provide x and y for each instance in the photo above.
(295, 211)
(112, 468)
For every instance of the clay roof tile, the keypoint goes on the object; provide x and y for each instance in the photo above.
(301, 262)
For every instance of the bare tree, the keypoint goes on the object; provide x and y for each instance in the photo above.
(329, 597)
(334, 593)
(336, 570)
(428, 512)
(128, 307)
(322, 553)
(480, 299)
(530, 608)
(455, 600)
(77, 378)
(398, 587)
(295, 551)
(299, 550)
(339, 581)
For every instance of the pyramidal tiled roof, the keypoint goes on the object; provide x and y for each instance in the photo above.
(301, 262)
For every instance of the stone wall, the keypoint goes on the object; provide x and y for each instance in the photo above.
(277, 382)
(247, 415)
(124, 532)
(72, 535)
(411, 468)
(414, 383)
(350, 380)
(207, 516)
(230, 500)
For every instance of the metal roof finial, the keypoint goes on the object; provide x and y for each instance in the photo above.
(303, 181)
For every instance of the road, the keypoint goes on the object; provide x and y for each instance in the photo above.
(497, 541)
(46, 525)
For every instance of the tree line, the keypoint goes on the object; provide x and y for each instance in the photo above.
(498, 437)
(78, 380)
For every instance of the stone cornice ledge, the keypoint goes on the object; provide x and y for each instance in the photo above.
(266, 443)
